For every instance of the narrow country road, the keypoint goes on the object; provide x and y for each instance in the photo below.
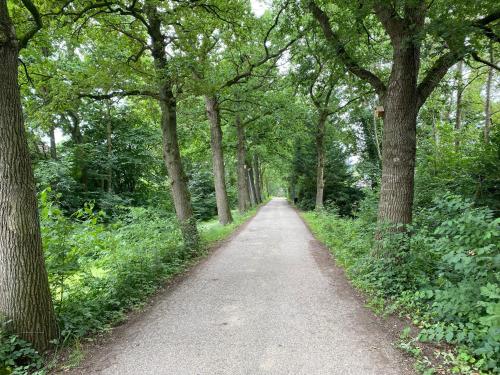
(268, 302)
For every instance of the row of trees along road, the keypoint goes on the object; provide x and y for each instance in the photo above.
(266, 88)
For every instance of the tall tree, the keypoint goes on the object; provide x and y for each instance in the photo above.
(147, 28)
(487, 103)
(25, 299)
(213, 113)
(459, 82)
(243, 192)
(402, 95)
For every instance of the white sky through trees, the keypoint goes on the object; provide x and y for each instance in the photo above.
(259, 7)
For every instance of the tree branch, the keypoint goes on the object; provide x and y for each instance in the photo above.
(23, 41)
(342, 54)
(239, 77)
(122, 94)
(389, 18)
(435, 74)
(476, 57)
(349, 102)
(488, 31)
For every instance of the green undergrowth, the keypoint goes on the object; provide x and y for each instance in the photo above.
(443, 274)
(100, 269)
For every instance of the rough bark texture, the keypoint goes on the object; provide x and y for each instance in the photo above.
(243, 194)
(458, 107)
(399, 136)
(171, 152)
(256, 167)
(320, 160)
(223, 209)
(25, 298)
(487, 105)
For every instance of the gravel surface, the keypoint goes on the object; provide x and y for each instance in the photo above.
(270, 301)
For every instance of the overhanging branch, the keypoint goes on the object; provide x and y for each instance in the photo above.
(23, 41)
(120, 93)
(352, 65)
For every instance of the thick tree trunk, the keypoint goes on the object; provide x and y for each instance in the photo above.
(171, 152)
(320, 160)
(399, 138)
(53, 147)
(25, 299)
(251, 180)
(178, 179)
(487, 105)
(256, 168)
(458, 110)
(243, 194)
(223, 209)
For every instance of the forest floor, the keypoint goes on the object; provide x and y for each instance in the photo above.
(269, 301)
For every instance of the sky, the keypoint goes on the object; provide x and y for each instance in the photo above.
(259, 7)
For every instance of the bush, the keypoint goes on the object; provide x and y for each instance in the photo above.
(17, 356)
(98, 271)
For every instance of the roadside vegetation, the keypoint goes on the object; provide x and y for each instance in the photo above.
(133, 133)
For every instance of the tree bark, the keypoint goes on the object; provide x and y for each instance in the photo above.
(109, 133)
(458, 111)
(25, 299)
(399, 136)
(223, 209)
(320, 159)
(256, 168)
(171, 151)
(175, 169)
(487, 105)
(251, 183)
(243, 194)
(53, 147)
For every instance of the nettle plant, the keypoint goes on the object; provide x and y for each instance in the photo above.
(460, 244)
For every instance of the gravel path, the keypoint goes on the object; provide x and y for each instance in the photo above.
(269, 301)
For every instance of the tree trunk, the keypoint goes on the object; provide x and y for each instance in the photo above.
(458, 111)
(171, 152)
(109, 133)
(53, 149)
(223, 209)
(251, 180)
(487, 106)
(399, 138)
(178, 179)
(262, 184)
(250, 191)
(320, 160)
(256, 168)
(243, 194)
(25, 299)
